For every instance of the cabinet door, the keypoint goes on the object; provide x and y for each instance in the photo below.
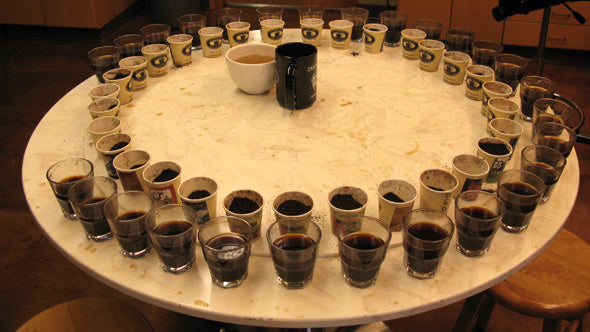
(439, 10)
(27, 12)
(477, 16)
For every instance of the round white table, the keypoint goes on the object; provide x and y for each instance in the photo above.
(377, 117)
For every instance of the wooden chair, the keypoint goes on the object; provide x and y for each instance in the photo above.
(89, 315)
(554, 287)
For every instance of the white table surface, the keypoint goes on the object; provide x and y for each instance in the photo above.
(377, 117)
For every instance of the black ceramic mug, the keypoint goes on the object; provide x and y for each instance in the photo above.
(296, 75)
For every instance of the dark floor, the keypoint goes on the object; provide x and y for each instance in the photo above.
(38, 66)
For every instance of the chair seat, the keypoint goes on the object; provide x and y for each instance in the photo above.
(554, 285)
(92, 314)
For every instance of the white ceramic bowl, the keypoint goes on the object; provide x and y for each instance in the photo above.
(251, 78)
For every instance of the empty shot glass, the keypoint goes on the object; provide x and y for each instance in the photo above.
(126, 213)
(294, 252)
(426, 235)
(62, 175)
(545, 162)
(172, 230)
(225, 242)
(88, 197)
(477, 217)
(521, 192)
(362, 245)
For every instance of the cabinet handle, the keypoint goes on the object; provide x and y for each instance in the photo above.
(557, 40)
(561, 15)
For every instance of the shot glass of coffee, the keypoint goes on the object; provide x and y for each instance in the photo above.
(358, 16)
(362, 245)
(521, 192)
(426, 235)
(155, 33)
(459, 39)
(496, 152)
(190, 24)
(531, 89)
(509, 69)
(294, 251)
(267, 12)
(485, 51)
(126, 213)
(477, 217)
(346, 202)
(292, 209)
(62, 176)
(436, 189)
(432, 27)
(246, 204)
(224, 16)
(310, 11)
(545, 162)
(200, 193)
(129, 45)
(103, 59)
(172, 229)
(550, 110)
(396, 198)
(88, 197)
(555, 135)
(225, 242)
(395, 21)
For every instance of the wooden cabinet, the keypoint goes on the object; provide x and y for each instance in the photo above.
(563, 32)
(92, 14)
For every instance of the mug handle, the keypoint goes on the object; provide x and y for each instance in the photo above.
(290, 86)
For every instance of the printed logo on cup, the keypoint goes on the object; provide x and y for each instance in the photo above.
(309, 33)
(229, 255)
(201, 211)
(187, 50)
(159, 61)
(451, 69)
(164, 195)
(426, 56)
(369, 39)
(275, 34)
(339, 35)
(473, 83)
(409, 45)
(496, 168)
(241, 37)
(214, 43)
(140, 75)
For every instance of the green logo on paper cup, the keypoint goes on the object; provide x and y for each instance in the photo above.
(451, 69)
(241, 37)
(159, 61)
(309, 33)
(339, 35)
(409, 45)
(369, 39)
(128, 86)
(140, 75)
(187, 50)
(473, 83)
(275, 34)
(426, 56)
(214, 43)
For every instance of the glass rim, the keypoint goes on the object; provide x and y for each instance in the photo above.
(316, 243)
(219, 220)
(501, 204)
(360, 218)
(58, 163)
(114, 198)
(405, 222)
(151, 214)
(82, 181)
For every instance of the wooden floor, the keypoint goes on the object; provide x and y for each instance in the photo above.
(37, 67)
